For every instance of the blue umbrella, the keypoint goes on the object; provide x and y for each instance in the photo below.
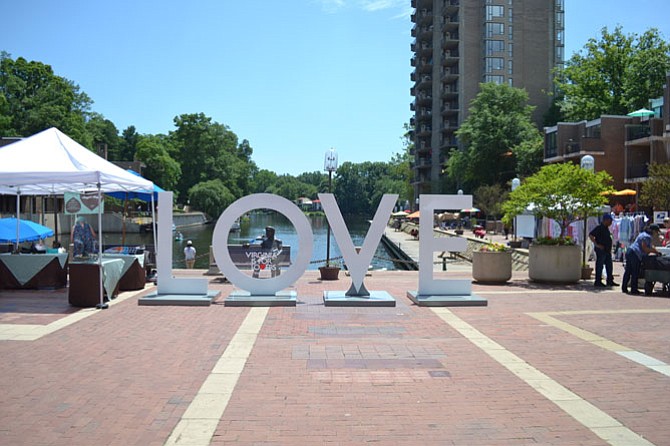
(28, 231)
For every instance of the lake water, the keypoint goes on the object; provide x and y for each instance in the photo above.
(201, 236)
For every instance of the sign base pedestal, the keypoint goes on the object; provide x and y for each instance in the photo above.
(427, 300)
(184, 300)
(246, 299)
(375, 299)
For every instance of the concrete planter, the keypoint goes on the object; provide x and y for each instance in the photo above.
(554, 264)
(491, 267)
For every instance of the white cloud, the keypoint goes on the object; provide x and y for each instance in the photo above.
(376, 5)
(332, 6)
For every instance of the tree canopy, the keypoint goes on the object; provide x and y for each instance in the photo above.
(34, 99)
(562, 192)
(656, 190)
(499, 139)
(614, 74)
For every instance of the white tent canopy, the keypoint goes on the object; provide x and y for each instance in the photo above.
(51, 163)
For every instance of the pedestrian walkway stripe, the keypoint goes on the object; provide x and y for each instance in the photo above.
(32, 332)
(199, 422)
(599, 422)
(627, 352)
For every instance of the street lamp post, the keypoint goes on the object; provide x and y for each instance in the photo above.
(587, 163)
(329, 165)
(515, 183)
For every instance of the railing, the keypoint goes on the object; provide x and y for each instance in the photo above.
(573, 147)
(637, 171)
(637, 131)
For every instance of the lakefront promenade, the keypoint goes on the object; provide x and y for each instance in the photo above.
(540, 365)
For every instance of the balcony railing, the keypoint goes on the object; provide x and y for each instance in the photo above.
(637, 171)
(551, 152)
(573, 147)
(637, 131)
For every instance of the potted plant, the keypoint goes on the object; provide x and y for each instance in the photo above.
(492, 263)
(564, 193)
(331, 270)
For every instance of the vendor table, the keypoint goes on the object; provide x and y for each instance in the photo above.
(32, 271)
(133, 275)
(84, 288)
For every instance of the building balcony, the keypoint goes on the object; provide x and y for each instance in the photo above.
(450, 57)
(449, 93)
(449, 74)
(424, 115)
(451, 7)
(424, 99)
(637, 171)
(572, 147)
(450, 109)
(423, 147)
(422, 163)
(449, 126)
(450, 40)
(637, 131)
(450, 24)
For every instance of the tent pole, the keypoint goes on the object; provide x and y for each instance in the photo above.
(18, 217)
(102, 305)
(125, 211)
(153, 221)
(55, 217)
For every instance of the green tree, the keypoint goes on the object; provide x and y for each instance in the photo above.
(562, 192)
(316, 178)
(499, 121)
(655, 191)
(359, 187)
(263, 180)
(128, 144)
(34, 99)
(104, 136)
(291, 188)
(211, 197)
(489, 199)
(529, 155)
(614, 75)
(208, 150)
(162, 169)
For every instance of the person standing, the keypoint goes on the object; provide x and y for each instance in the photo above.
(641, 247)
(189, 255)
(602, 241)
(83, 237)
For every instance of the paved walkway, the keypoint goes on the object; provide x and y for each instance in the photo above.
(539, 365)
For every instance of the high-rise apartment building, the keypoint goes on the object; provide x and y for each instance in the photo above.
(459, 44)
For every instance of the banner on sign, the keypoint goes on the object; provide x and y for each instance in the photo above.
(83, 203)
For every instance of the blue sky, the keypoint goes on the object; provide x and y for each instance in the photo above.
(294, 77)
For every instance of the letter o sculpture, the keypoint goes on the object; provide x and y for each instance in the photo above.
(255, 286)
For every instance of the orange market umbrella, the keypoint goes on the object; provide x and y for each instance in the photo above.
(625, 192)
(413, 215)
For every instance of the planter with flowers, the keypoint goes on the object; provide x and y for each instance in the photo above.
(492, 263)
(564, 193)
